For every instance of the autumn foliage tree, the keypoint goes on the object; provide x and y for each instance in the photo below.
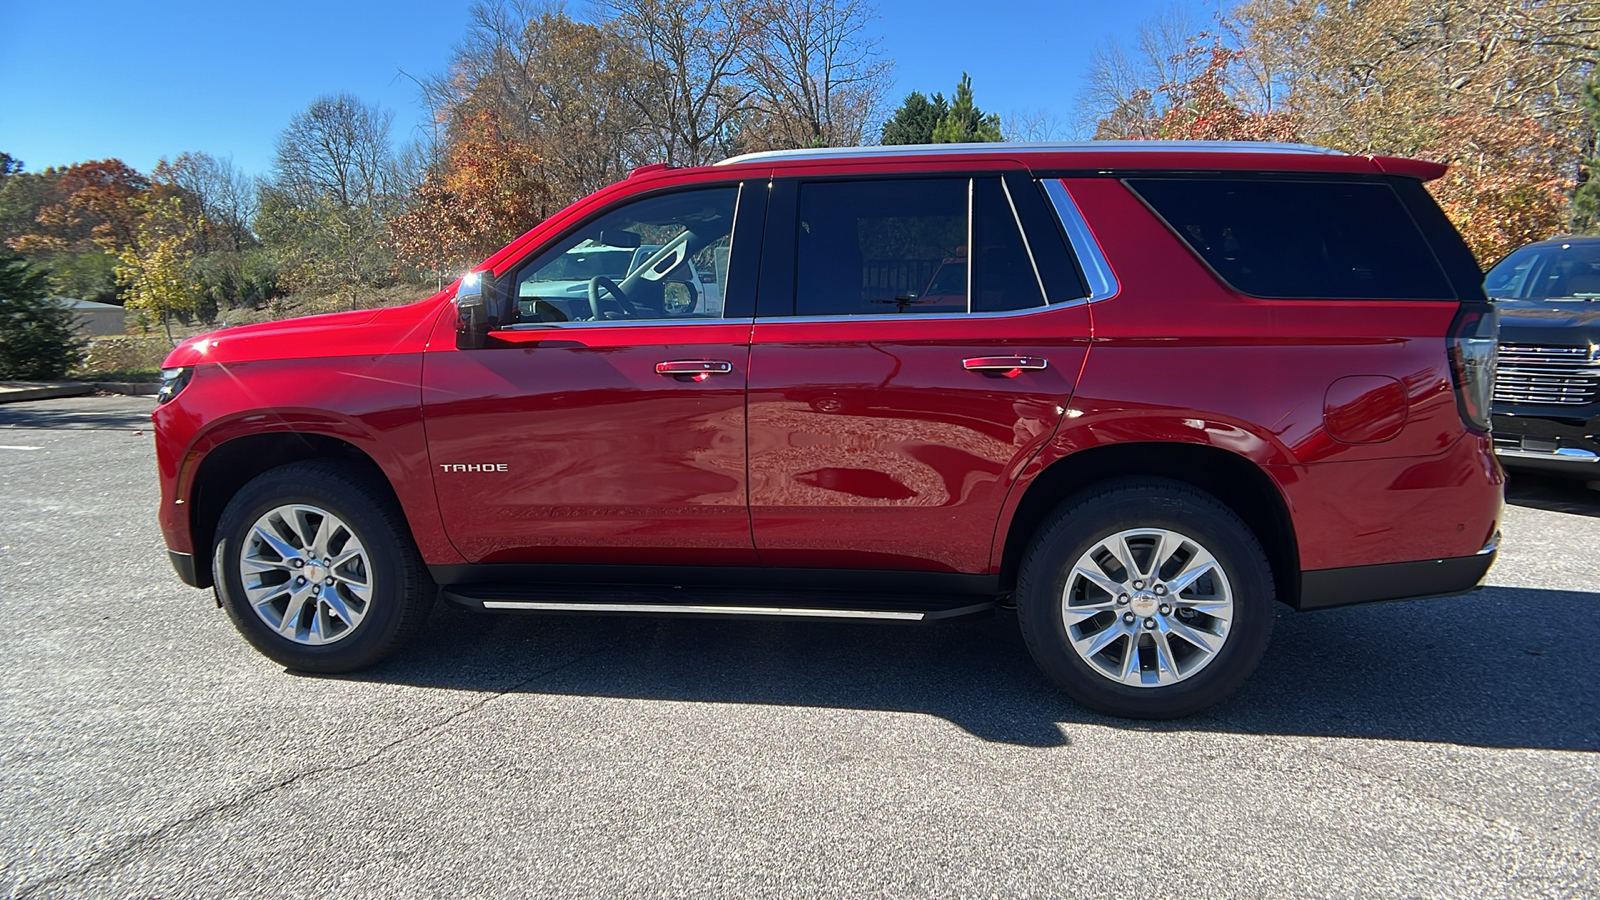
(154, 268)
(488, 189)
(1492, 88)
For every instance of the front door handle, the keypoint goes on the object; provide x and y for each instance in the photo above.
(694, 369)
(1009, 366)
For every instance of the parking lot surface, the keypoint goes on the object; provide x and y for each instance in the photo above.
(1442, 748)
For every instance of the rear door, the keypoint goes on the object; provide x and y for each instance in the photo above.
(917, 341)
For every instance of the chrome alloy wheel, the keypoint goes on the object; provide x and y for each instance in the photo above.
(306, 574)
(1147, 607)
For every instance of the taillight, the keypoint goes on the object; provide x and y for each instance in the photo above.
(1472, 358)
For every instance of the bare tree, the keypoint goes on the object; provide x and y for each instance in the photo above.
(819, 76)
(556, 84)
(337, 148)
(333, 188)
(224, 197)
(689, 92)
(1034, 125)
(1126, 89)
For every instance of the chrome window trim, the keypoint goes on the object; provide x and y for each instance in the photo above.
(807, 320)
(1097, 271)
(1000, 149)
(922, 317)
(623, 323)
(1026, 247)
(971, 250)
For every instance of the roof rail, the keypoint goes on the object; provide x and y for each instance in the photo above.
(1048, 147)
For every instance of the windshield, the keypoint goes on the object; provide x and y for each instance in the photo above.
(1565, 271)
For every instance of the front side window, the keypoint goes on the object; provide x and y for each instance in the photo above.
(662, 257)
(906, 247)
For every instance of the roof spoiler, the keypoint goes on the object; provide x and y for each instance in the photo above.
(1416, 168)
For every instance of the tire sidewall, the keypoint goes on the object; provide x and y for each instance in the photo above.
(1045, 572)
(372, 636)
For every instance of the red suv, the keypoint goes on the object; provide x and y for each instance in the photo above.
(1176, 383)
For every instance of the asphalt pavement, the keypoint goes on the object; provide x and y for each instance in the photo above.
(1437, 748)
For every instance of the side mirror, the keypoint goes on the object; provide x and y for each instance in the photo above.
(479, 310)
(679, 298)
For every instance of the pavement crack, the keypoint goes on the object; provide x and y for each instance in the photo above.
(129, 849)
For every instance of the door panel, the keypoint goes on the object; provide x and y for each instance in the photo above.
(606, 461)
(872, 444)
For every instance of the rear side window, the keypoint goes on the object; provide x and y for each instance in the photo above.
(909, 246)
(1301, 239)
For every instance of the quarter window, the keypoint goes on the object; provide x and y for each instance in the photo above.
(1301, 239)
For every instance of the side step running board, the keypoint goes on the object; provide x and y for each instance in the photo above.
(719, 602)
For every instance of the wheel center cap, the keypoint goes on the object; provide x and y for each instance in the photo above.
(316, 572)
(1144, 604)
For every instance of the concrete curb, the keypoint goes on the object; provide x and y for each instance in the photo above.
(13, 391)
(131, 388)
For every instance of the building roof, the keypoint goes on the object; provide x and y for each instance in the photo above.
(86, 305)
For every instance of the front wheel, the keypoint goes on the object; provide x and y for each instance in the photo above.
(317, 570)
(1146, 599)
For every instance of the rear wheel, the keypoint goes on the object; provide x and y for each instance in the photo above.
(316, 569)
(1146, 599)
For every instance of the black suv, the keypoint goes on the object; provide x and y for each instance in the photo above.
(1547, 389)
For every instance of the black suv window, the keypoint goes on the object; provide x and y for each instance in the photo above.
(902, 246)
(1566, 271)
(1301, 239)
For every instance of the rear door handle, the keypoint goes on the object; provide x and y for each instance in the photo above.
(694, 369)
(1009, 366)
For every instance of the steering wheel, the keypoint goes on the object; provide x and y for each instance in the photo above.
(617, 298)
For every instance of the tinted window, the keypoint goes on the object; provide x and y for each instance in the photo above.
(1005, 275)
(1314, 239)
(881, 247)
(662, 257)
(1565, 271)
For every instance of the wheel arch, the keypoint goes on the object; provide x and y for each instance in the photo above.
(232, 464)
(1235, 481)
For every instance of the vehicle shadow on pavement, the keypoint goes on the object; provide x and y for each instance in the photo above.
(80, 414)
(1502, 667)
(1553, 494)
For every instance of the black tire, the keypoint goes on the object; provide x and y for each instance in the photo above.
(1101, 512)
(402, 594)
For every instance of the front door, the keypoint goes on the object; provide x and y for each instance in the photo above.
(606, 424)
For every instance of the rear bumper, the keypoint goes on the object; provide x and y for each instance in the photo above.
(1327, 588)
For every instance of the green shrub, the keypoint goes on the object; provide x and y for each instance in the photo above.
(37, 340)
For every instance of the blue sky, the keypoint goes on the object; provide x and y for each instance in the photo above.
(88, 80)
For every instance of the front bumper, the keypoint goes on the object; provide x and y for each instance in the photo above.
(183, 564)
(1561, 445)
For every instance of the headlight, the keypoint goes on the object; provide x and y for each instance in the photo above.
(173, 381)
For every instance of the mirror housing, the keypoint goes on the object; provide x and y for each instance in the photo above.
(479, 310)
